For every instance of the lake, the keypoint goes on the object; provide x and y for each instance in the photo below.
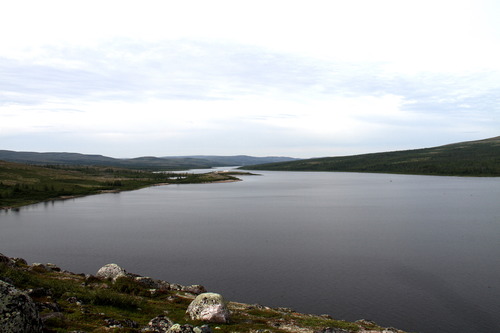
(419, 253)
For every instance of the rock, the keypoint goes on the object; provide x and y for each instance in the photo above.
(195, 289)
(38, 267)
(163, 285)
(6, 260)
(202, 329)
(365, 322)
(175, 286)
(147, 282)
(39, 292)
(113, 323)
(286, 310)
(18, 312)
(52, 267)
(73, 300)
(332, 330)
(52, 316)
(19, 261)
(53, 307)
(111, 271)
(176, 328)
(159, 324)
(209, 307)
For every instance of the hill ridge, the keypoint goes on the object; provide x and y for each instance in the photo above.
(468, 158)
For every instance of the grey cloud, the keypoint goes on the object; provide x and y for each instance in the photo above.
(193, 70)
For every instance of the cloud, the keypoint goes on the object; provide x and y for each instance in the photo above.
(309, 79)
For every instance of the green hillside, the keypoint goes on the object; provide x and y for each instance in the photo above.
(472, 158)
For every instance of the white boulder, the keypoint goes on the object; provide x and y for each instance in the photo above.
(209, 307)
(111, 271)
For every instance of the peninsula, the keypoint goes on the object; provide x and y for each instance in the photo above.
(23, 184)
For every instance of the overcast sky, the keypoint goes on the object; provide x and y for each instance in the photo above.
(290, 78)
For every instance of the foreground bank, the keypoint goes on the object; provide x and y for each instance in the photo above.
(45, 298)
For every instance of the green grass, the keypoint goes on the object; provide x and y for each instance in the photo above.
(474, 158)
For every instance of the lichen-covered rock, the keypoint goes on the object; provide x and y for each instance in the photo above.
(177, 328)
(18, 312)
(159, 324)
(209, 307)
(111, 271)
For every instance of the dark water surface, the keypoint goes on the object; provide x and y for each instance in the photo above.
(414, 252)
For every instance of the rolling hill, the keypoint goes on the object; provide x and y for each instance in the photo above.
(471, 158)
(146, 162)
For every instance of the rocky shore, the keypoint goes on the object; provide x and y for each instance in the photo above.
(45, 298)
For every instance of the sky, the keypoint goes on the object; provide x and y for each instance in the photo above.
(263, 78)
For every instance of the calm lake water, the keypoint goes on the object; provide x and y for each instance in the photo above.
(414, 252)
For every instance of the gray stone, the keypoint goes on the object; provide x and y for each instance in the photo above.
(53, 267)
(202, 329)
(113, 323)
(36, 266)
(147, 282)
(195, 289)
(111, 271)
(209, 307)
(163, 285)
(175, 286)
(177, 328)
(6, 260)
(332, 330)
(159, 324)
(18, 313)
(19, 261)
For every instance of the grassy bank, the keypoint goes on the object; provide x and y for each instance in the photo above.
(22, 184)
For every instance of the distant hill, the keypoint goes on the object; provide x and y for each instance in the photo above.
(238, 159)
(146, 162)
(472, 158)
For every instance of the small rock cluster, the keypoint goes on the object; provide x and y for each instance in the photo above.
(208, 307)
(114, 272)
(162, 324)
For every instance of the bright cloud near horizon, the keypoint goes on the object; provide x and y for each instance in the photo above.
(290, 78)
